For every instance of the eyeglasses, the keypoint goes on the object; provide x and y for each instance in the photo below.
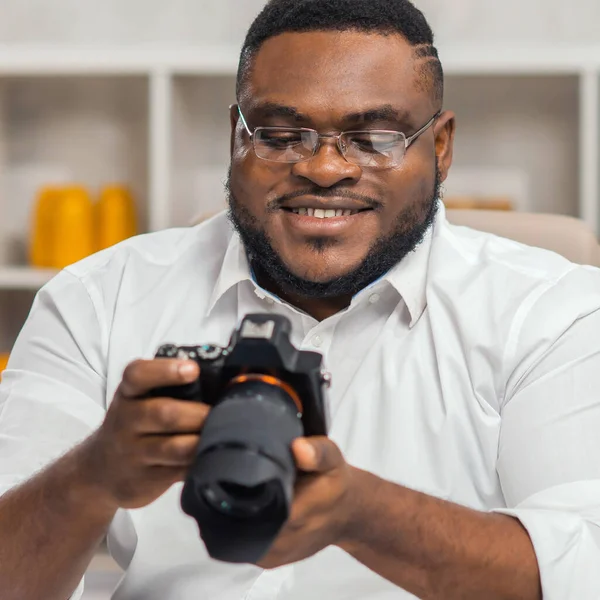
(375, 148)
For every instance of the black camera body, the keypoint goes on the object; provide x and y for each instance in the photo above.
(265, 393)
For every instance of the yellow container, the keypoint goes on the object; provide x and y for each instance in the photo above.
(42, 234)
(116, 216)
(73, 227)
(4, 356)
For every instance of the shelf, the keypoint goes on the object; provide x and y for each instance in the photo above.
(67, 130)
(502, 60)
(199, 169)
(223, 60)
(98, 60)
(24, 278)
(154, 117)
(517, 138)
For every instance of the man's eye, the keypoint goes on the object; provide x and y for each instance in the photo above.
(281, 139)
(373, 143)
(363, 142)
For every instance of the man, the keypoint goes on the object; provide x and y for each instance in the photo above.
(463, 459)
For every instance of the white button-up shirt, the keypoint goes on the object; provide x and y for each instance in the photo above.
(470, 372)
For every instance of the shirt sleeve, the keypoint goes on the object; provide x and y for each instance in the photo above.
(53, 393)
(549, 451)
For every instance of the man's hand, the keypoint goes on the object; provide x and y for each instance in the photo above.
(323, 507)
(145, 445)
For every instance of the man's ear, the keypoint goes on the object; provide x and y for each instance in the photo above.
(234, 116)
(444, 129)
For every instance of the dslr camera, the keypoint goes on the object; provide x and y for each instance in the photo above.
(265, 393)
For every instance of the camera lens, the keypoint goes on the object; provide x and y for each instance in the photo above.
(240, 486)
(243, 492)
(239, 501)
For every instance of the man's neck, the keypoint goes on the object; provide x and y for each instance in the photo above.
(318, 308)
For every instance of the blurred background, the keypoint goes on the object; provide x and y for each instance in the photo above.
(113, 120)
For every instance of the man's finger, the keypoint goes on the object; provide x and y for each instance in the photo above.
(167, 416)
(142, 376)
(316, 454)
(172, 451)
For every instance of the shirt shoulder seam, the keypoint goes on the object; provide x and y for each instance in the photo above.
(518, 322)
(96, 304)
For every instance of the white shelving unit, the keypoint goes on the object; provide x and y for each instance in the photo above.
(157, 119)
(24, 278)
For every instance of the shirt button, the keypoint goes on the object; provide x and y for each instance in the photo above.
(317, 342)
(374, 298)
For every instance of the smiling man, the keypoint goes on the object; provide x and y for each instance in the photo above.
(332, 185)
(463, 460)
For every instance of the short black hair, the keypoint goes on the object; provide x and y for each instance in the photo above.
(385, 17)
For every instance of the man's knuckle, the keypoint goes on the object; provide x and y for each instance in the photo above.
(181, 448)
(132, 379)
(295, 524)
(131, 370)
(328, 454)
(295, 527)
(167, 415)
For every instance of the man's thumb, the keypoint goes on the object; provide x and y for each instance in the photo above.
(316, 454)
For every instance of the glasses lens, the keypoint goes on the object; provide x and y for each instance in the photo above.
(284, 145)
(380, 149)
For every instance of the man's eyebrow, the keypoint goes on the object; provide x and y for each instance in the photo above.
(385, 112)
(381, 113)
(272, 109)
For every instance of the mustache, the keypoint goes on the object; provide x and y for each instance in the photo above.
(324, 193)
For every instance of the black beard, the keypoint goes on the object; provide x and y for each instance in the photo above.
(384, 254)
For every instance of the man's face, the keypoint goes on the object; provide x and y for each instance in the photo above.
(334, 82)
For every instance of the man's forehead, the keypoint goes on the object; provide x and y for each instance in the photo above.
(362, 64)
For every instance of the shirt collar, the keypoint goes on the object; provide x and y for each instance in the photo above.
(234, 270)
(408, 277)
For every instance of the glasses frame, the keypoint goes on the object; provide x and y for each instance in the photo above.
(408, 140)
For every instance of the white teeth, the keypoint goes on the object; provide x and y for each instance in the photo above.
(321, 213)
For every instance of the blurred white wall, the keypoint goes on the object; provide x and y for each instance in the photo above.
(205, 22)
(198, 22)
(522, 22)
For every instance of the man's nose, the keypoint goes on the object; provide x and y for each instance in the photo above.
(327, 167)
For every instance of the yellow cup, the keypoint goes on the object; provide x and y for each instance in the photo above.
(116, 216)
(73, 231)
(4, 356)
(42, 235)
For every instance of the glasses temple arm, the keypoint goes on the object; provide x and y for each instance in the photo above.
(423, 129)
(244, 121)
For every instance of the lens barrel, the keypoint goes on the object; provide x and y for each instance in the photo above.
(240, 487)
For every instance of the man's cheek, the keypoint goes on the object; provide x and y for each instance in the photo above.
(241, 151)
